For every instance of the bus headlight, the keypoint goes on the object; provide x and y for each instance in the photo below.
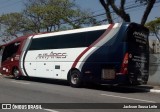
(6, 70)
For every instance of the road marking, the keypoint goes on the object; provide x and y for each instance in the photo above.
(50, 110)
(128, 98)
(19, 82)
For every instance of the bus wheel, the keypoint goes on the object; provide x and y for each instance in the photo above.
(16, 73)
(75, 78)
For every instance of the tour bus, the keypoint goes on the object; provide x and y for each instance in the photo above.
(107, 54)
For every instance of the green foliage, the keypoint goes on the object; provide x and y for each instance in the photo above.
(154, 27)
(46, 16)
(54, 15)
(12, 22)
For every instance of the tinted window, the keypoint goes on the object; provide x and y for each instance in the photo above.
(75, 40)
(10, 50)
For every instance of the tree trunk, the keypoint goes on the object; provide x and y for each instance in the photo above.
(147, 11)
(156, 35)
(120, 11)
(108, 13)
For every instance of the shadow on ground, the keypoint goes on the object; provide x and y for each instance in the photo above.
(111, 88)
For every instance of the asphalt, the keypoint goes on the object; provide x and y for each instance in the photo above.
(145, 88)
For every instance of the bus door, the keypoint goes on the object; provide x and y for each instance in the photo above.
(30, 68)
(138, 54)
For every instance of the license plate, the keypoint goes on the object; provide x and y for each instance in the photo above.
(108, 74)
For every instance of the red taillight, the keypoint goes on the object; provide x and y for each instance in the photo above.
(124, 67)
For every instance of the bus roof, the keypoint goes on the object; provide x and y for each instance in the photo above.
(94, 28)
(45, 34)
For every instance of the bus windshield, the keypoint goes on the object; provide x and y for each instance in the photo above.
(10, 50)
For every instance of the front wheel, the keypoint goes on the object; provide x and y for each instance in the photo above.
(16, 74)
(75, 78)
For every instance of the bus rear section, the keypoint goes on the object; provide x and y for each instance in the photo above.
(130, 55)
(138, 54)
(123, 59)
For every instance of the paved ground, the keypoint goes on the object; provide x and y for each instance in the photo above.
(51, 91)
(146, 88)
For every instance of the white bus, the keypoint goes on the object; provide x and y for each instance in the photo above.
(111, 54)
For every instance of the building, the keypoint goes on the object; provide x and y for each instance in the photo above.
(154, 46)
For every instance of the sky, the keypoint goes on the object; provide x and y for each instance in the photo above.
(136, 14)
(7, 6)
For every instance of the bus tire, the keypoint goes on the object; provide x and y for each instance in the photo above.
(75, 79)
(16, 74)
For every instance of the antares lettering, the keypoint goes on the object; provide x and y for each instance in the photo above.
(140, 34)
(140, 37)
(51, 55)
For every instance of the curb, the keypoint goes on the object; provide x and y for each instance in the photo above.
(153, 90)
(149, 90)
(141, 88)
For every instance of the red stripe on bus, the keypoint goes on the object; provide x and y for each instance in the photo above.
(87, 49)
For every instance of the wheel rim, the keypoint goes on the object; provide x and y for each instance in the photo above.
(74, 78)
(16, 73)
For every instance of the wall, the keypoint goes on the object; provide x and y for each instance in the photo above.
(154, 74)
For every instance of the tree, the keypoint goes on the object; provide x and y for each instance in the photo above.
(54, 15)
(154, 27)
(41, 15)
(80, 19)
(46, 16)
(107, 9)
(121, 11)
(12, 24)
(150, 4)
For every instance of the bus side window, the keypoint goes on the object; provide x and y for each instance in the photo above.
(92, 36)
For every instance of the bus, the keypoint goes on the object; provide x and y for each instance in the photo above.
(107, 54)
